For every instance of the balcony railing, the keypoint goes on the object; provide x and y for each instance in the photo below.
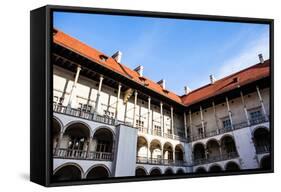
(82, 154)
(222, 157)
(262, 149)
(83, 114)
(235, 126)
(159, 161)
(258, 120)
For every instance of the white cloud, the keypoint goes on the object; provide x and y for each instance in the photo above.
(246, 57)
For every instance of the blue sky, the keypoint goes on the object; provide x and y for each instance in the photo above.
(183, 52)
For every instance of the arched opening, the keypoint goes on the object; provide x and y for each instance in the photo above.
(168, 171)
(102, 144)
(142, 150)
(228, 147)
(180, 172)
(68, 173)
(232, 166)
(200, 170)
(56, 129)
(213, 149)
(75, 140)
(265, 163)
(179, 153)
(140, 172)
(262, 140)
(215, 169)
(155, 150)
(155, 172)
(168, 153)
(98, 172)
(199, 153)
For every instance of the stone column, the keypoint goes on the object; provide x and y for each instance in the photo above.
(117, 101)
(190, 125)
(261, 102)
(215, 115)
(161, 118)
(172, 121)
(148, 116)
(245, 108)
(202, 121)
(229, 112)
(185, 124)
(135, 106)
(73, 89)
(98, 95)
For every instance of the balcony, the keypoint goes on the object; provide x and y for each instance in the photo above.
(258, 120)
(82, 114)
(235, 126)
(82, 154)
(222, 157)
(159, 161)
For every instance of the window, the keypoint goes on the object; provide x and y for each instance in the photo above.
(226, 123)
(200, 131)
(256, 116)
(84, 107)
(139, 123)
(108, 113)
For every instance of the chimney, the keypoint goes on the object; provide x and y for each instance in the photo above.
(186, 90)
(139, 70)
(212, 79)
(162, 83)
(117, 56)
(261, 58)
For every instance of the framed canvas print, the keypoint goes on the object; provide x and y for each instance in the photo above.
(122, 95)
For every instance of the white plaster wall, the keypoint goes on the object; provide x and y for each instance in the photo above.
(125, 156)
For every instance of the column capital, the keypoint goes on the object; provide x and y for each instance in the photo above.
(101, 77)
(119, 85)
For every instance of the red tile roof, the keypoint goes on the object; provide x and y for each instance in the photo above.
(94, 55)
(228, 83)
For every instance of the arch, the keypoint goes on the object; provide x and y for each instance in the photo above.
(199, 151)
(213, 148)
(142, 146)
(103, 140)
(168, 151)
(98, 171)
(84, 124)
(228, 146)
(215, 168)
(232, 166)
(155, 171)
(56, 130)
(180, 171)
(200, 170)
(57, 121)
(179, 152)
(68, 172)
(261, 137)
(265, 162)
(104, 127)
(169, 171)
(140, 171)
(155, 149)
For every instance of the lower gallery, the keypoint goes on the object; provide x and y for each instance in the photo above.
(111, 121)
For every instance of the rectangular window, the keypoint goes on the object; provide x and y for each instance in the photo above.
(226, 123)
(139, 123)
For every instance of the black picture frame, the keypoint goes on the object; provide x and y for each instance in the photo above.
(41, 90)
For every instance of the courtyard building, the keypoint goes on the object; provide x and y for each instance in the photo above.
(112, 121)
